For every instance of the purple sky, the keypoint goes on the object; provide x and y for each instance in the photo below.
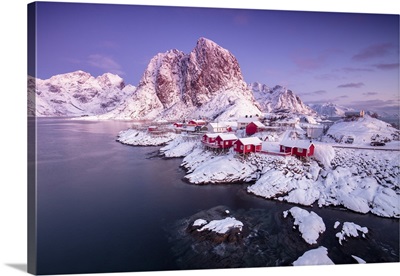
(350, 59)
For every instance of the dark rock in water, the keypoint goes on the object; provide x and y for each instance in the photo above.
(262, 241)
(267, 239)
(233, 235)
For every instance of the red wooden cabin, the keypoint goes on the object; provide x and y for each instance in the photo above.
(209, 138)
(225, 140)
(246, 145)
(254, 127)
(303, 148)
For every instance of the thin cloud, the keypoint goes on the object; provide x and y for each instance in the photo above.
(106, 63)
(330, 100)
(241, 19)
(351, 85)
(72, 60)
(380, 106)
(328, 77)
(373, 51)
(306, 61)
(108, 44)
(386, 66)
(353, 69)
(318, 92)
(370, 93)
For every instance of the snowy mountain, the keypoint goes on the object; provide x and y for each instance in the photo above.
(330, 109)
(362, 130)
(278, 99)
(207, 82)
(76, 93)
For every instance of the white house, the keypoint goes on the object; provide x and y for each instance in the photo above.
(217, 127)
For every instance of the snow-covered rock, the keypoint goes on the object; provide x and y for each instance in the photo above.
(309, 223)
(135, 137)
(221, 226)
(358, 259)
(317, 256)
(350, 229)
(180, 146)
(324, 153)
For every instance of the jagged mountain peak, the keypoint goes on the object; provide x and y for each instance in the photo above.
(176, 85)
(279, 99)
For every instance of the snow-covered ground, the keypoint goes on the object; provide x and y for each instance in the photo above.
(361, 130)
(143, 138)
(358, 179)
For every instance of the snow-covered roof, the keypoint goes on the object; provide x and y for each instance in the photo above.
(198, 121)
(228, 136)
(247, 119)
(258, 124)
(231, 124)
(214, 125)
(212, 135)
(250, 141)
(300, 144)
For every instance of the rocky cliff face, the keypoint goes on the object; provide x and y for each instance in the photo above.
(76, 93)
(279, 99)
(207, 82)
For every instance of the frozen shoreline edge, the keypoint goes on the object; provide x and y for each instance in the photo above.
(370, 197)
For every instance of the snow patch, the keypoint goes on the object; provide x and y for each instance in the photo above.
(221, 226)
(309, 223)
(350, 229)
(317, 256)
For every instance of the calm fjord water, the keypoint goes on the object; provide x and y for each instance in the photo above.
(107, 207)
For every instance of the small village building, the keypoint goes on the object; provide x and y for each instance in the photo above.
(209, 138)
(231, 126)
(244, 121)
(303, 148)
(254, 127)
(225, 140)
(217, 127)
(197, 123)
(314, 132)
(189, 128)
(357, 114)
(152, 128)
(178, 124)
(247, 145)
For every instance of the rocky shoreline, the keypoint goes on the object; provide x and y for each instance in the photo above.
(360, 181)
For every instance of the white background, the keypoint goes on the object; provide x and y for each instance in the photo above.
(13, 172)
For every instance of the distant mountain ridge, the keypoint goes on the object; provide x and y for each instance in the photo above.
(75, 94)
(207, 82)
(330, 109)
(279, 99)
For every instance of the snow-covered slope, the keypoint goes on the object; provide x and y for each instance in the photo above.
(76, 93)
(362, 129)
(278, 99)
(330, 109)
(207, 82)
